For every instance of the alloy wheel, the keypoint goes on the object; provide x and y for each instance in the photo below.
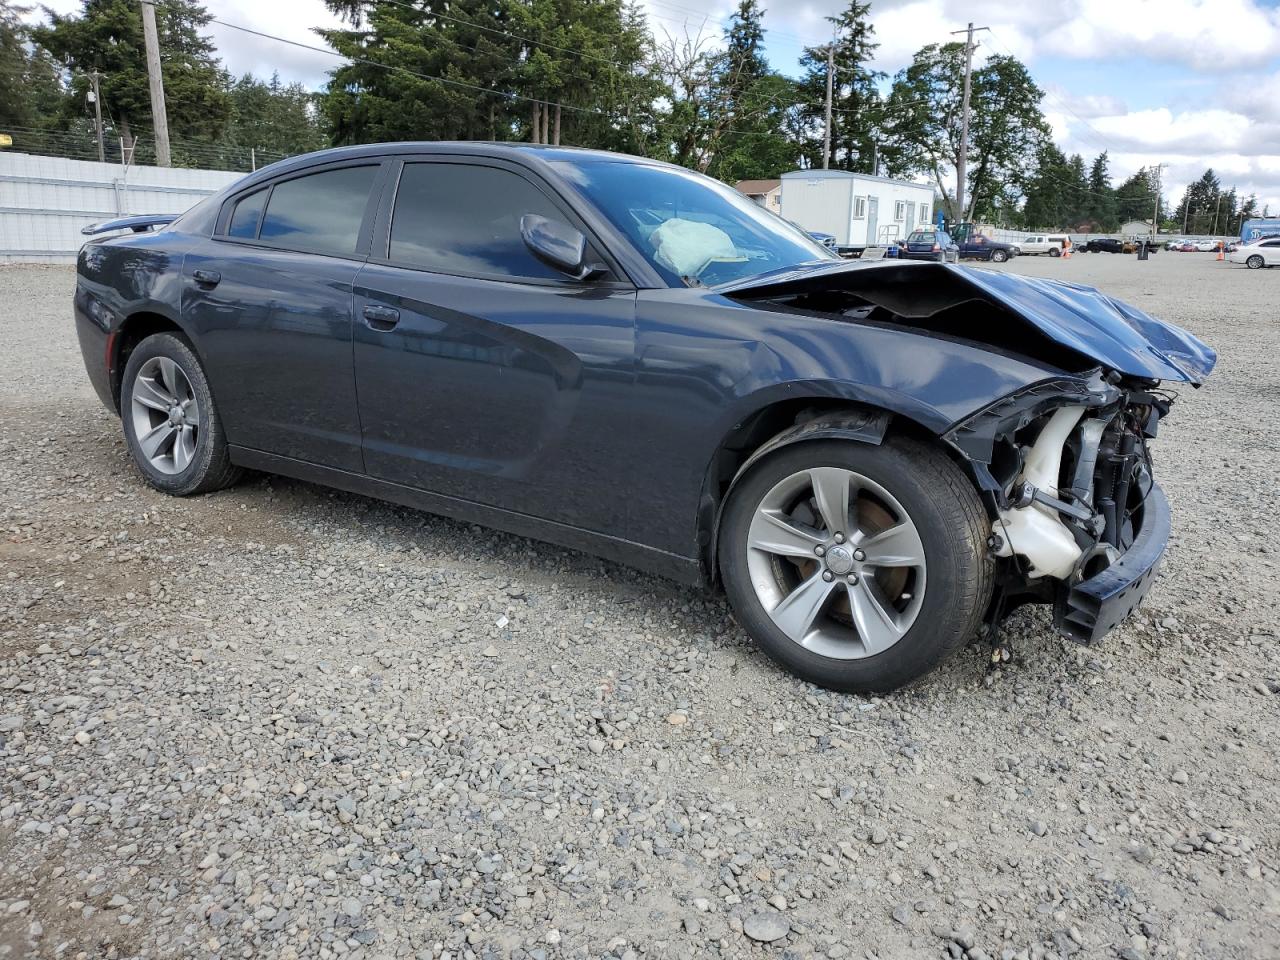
(836, 563)
(166, 415)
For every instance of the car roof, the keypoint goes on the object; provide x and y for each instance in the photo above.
(538, 153)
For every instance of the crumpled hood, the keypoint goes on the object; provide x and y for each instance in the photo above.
(1116, 334)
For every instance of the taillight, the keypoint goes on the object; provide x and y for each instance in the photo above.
(936, 248)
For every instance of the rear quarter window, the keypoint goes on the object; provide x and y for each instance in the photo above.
(320, 212)
(247, 213)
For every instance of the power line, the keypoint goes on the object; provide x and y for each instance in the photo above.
(399, 69)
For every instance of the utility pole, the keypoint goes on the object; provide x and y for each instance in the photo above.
(831, 74)
(158, 114)
(1155, 214)
(96, 94)
(962, 162)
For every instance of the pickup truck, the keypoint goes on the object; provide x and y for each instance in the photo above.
(1050, 243)
(978, 247)
(1101, 245)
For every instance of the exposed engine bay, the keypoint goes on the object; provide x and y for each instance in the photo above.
(1077, 519)
(1071, 489)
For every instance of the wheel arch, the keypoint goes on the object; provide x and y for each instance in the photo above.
(133, 329)
(780, 424)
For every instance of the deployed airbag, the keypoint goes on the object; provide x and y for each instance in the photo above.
(685, 247)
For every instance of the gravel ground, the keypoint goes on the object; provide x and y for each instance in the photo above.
(284, 722)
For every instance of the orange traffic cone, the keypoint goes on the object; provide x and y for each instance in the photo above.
(1220, 256)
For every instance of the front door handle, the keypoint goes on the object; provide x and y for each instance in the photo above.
(381, 318)
(207, 278)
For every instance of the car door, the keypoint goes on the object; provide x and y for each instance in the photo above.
(484, 374)
(269, 300)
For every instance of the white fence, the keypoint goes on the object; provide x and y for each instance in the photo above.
(44, 201)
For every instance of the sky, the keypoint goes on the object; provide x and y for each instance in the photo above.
(1187, 83)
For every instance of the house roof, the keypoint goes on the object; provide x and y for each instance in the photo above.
(755, 187)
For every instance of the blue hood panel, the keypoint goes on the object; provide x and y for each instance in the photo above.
(1114, 334)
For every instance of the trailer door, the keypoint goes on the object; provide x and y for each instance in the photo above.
(873, 205)
(911, 217)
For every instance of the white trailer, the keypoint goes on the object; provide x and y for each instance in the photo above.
(859, 210)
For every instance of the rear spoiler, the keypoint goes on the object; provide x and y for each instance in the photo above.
(136, 224)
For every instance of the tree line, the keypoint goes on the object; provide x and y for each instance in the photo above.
(583, 72)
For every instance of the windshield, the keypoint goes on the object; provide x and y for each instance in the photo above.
(692, 229)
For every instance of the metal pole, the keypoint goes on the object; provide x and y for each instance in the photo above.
(1216, 207)
(1155, 214)
(94, 77)
(962, 161)
(826, 137)
(158, 115)
(253, 159)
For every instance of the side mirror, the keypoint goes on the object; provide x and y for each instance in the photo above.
(558, 245)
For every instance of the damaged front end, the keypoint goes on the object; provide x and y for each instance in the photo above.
(1078, 519)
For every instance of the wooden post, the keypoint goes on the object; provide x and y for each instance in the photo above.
(556, 140)
(158, 115)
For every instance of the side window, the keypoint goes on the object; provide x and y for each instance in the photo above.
(900, 210)
(859, 208)
(924, 213)
(320, 212)
(245, 217)
(1272, 243)
(462, 219)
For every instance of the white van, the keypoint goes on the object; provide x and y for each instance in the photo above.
(1051, 244)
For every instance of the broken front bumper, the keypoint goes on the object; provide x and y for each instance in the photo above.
(1092, 608)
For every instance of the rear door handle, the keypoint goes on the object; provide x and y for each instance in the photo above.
(207, 278)
(381, 318)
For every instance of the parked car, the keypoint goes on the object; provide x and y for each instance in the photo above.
(979, 247)
(1050, 244)
(1258, 254)
(1101, 245)
(929, 245)
(629, 358)
(1205, 246)
(826, 239)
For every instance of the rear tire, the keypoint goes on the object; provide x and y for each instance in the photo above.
(1055, 251)
(170, 424)
(1255, 262)
(929, 585)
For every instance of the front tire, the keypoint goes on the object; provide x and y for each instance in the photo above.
(1255, 262)
(999, 256)
(170, 424)
(872, 606)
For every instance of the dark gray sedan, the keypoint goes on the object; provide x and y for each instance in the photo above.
(872, 459)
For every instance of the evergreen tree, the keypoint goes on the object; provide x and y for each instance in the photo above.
(1101, 197)
(754, 107)
(31, 93)
(855, 100)
(273, 118)
(1200, 201)
(106, 36)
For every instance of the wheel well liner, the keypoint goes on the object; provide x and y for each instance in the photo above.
(133, 330)
(772, 428)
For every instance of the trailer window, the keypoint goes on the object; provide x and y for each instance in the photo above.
(900, 210)
(859, 208)
(924, 213)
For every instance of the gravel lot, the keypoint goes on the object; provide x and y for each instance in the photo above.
(284, 722)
